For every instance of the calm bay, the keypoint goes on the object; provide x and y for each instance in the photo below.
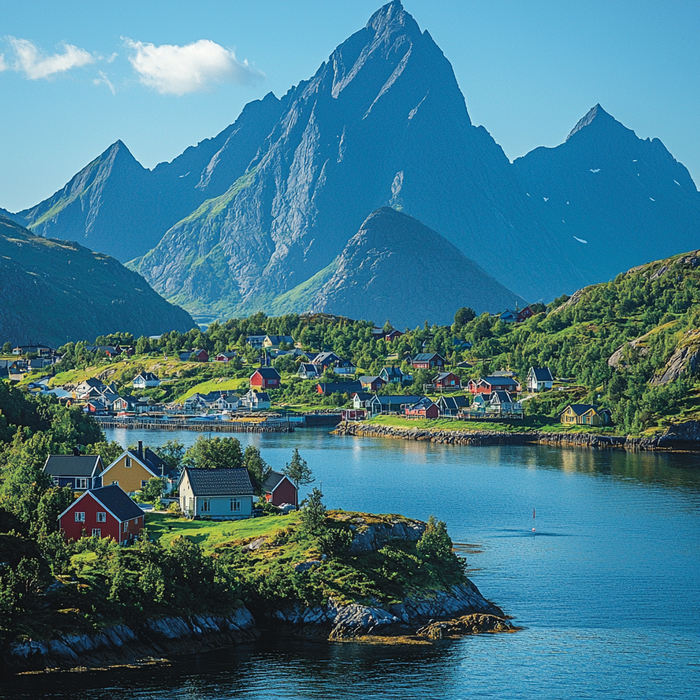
(607, 588)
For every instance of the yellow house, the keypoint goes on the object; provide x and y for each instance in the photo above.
(132, 469)
(585, 414)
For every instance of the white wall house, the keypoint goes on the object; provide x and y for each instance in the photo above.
(220, 494)
(539, 379)
(146, 380)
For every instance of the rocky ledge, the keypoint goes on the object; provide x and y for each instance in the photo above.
(413, 616)
(683, 436)
(122, 643)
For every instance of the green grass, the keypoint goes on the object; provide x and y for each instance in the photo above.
(211, 534)
(527, 424)
(216, 384)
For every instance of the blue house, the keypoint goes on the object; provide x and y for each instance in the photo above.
(79, 472)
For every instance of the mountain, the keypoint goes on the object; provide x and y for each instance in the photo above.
(257, 217)
(614, 199)
(116, 206)
(395, 267)
(55, 291)
(382, 122)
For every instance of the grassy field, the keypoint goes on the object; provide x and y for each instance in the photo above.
(527, 424)
(211, 534)
(216, 384)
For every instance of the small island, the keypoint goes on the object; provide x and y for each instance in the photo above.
(193, 585)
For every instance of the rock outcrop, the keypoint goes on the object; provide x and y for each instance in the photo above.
(337, 621)
(122, 643)
(683, 436)
(685, 360)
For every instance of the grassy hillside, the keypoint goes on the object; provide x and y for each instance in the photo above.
(54, 291)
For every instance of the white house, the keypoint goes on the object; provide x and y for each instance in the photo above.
(220, 494)
(503, 404)
(539, 379)
(255, 400)
(146, 380)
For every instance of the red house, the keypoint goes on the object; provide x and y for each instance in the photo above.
(428, 360)
(425, 408)
(279, 489)
(487, 385)
(200, 355)
(265, 378)
(392, 335)
(525, 313)
(447, 380)
(104, 512)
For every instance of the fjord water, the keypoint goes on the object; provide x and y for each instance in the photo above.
(607, 588)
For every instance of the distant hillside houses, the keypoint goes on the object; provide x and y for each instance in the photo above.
(539, 379)
(145, 380)
(275, 341)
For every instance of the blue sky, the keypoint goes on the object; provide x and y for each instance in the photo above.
(76, 76)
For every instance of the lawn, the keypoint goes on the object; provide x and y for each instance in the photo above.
(210, 534)
(527, 424)
(216, 384)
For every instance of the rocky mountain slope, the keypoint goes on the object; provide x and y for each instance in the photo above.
(116, 206)
(613, 200)
(55, 291)
(395, 267)
(256, 217)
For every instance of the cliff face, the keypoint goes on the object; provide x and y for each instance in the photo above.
(55, 291)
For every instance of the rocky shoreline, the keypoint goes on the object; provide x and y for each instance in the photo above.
(681, 437)
(462, 610)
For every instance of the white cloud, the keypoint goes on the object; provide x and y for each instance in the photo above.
(3, 65)
(35, 65)
(177, 70)
(104, 80)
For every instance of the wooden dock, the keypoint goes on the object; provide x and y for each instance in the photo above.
(268, 426)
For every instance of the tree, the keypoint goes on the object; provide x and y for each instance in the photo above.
(285, 363)
(435, 544)
(153, 489)
(298, 471)
(51, 504)
(108, 451)
(464, 315)
(214, 453)
(257, 467)
(7, 348)
(172, 453)
(313, 514)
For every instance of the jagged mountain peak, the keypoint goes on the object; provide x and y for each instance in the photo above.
(392, 16)
(599, 118)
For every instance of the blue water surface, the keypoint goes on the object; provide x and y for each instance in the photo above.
(607, 588)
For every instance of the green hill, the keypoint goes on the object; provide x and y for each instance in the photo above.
(54, 291)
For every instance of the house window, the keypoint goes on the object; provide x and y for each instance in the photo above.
(205, 506)
(115, 482)
(96, 532)
(101, 517)
(79, 517)
(81, 483)
(126, 526)
(143, 483)
(55, 481)
(235, 505)
(127, 462)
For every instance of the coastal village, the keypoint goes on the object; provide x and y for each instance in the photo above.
(448, 387)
